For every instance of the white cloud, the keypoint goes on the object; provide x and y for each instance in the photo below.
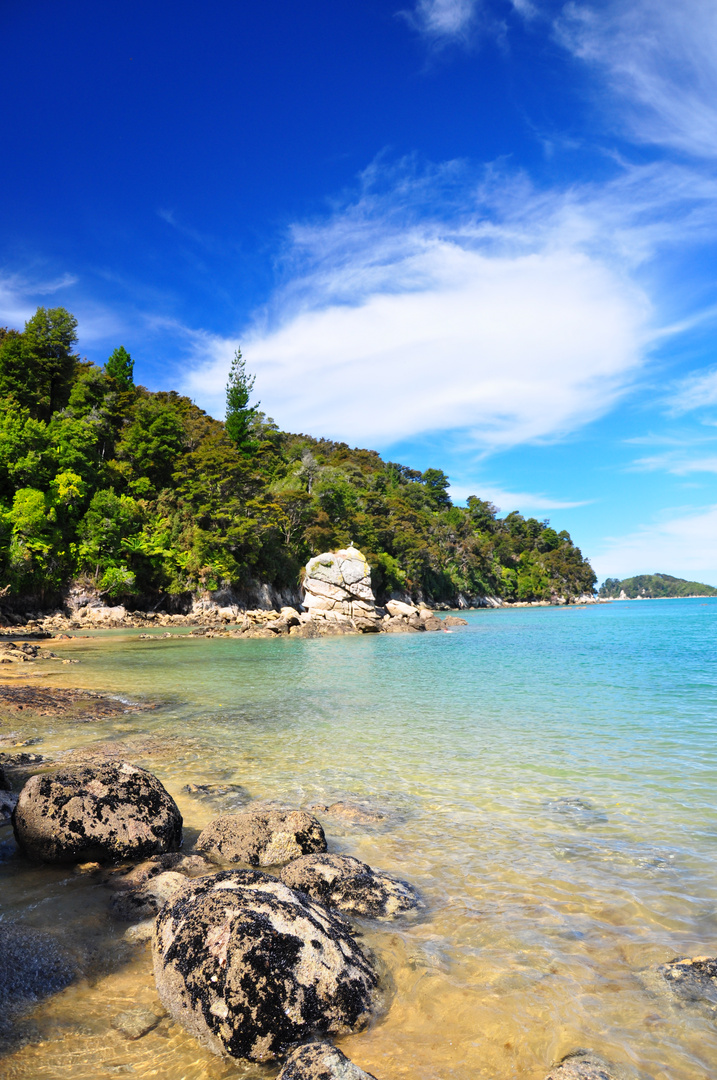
(697, 391)
(439, 301)
(20, 296)
(684, 545)
(677, 463)
(444, 19)
(660, 58)
(516, 348)
(506, 501)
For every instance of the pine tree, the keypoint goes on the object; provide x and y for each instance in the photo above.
(240, 414)
(120, 367)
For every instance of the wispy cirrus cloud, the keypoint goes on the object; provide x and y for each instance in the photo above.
(20, 295)
(678, 463)
(444, 20)
(506, 501)
(22, 292)
(696, 391)
(659, 59)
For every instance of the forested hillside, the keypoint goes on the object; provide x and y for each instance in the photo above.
(653, 586)
(142, 493)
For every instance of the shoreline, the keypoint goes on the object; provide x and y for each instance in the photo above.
(240, 620)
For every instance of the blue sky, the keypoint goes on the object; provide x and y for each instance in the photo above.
(477, 236)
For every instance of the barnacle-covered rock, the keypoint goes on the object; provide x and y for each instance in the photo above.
(250, 967)
(98, 813)
(261, 837)
(585, 1065)
(342, 882)
(321, 1061)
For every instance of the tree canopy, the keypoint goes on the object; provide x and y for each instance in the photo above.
(144, 493)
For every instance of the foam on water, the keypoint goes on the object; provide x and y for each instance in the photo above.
(548, 778)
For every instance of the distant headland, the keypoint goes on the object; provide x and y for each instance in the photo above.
(652, 587)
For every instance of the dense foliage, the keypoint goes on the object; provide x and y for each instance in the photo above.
(141, 492)
(653, 586)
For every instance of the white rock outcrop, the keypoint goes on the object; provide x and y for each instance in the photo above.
(339, 582)
(397, 608)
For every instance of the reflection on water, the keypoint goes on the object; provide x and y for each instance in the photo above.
(549, 782)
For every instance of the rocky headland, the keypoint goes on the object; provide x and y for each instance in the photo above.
(338, 598)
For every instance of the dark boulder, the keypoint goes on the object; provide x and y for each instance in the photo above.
(251, 967)
(8, 802)
(261, 837)
(321, 1061)
(342, 882)
(98, 812)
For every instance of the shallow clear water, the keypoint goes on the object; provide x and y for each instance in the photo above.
(550, 779)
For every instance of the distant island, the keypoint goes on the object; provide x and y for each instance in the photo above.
(652, 587)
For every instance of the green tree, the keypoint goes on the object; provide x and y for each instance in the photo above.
(240, 415)
(151, 446)
(437, 483)
(110, 519)
(120, 367)
(37, 367)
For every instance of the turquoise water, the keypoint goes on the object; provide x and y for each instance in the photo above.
(550, 779)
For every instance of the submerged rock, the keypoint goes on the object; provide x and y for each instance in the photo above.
(351, 812)
(321, 1061)
(33, 965)
(250, 967)
(136, 1023)
(694, 980)
(135, 905)
(126, 879)
(223, 796)
(261, 837)
(342, 882)
(140, 892)
(579, 811)
(585, 1065)
(104, 812)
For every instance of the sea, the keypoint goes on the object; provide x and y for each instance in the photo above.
(547, 779)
